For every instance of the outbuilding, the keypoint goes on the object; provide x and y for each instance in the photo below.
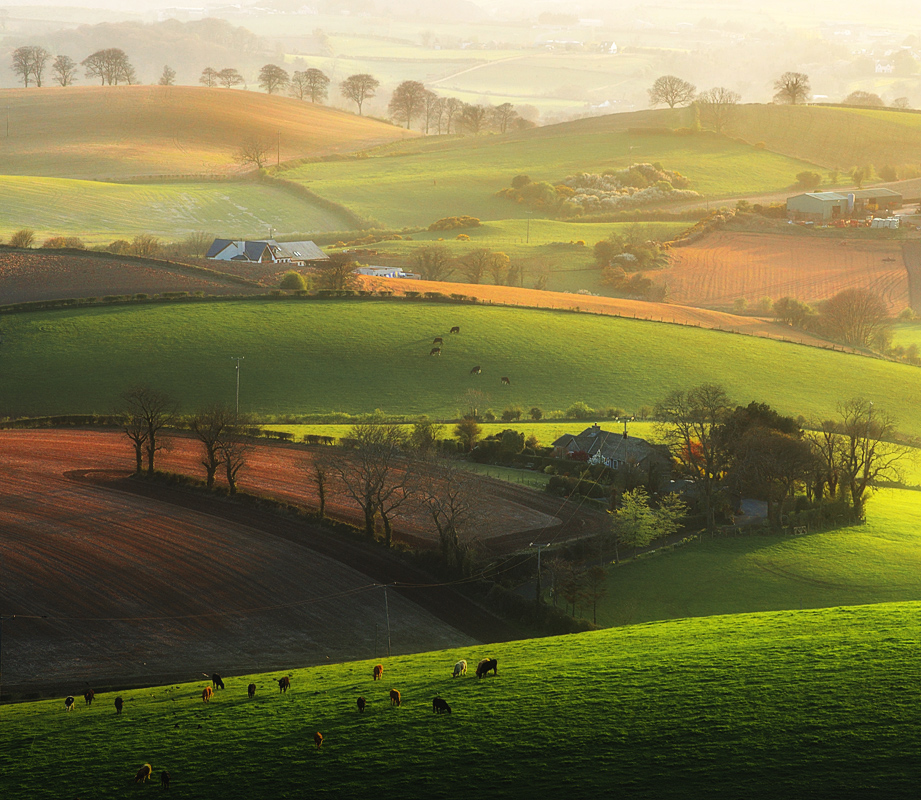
(818, 206)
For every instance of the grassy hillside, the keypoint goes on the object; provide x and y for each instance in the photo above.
(116, 132)
(819, 704)
(416, 183)
(355, 356)
(107, 211)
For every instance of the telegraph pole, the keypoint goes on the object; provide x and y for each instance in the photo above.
(539, 592)
(238, 359)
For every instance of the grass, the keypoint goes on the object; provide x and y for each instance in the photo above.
(110, 211)
(877, 562)
(311, 357)
(117, 132)
(419, 182)
(819, 704)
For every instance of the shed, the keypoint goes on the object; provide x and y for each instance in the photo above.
(817, 206)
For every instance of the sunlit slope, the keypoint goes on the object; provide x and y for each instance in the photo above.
(123, 131)
(818, 704)
(417, 182)
(309, 356)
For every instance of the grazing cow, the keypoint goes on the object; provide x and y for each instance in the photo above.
(485, 666)
(475, 371)
(216, 681)
(455, 329)
(506, 382)
(318, 739)
(395, 698)
(378, 672)
(164, 779)
(144, 774)
(284, 684)
(206, 694)
(460, 668)
(439, 706)
(69, 702)
(118, 705)
(438, 340)
(435, 351)
(361, 705)
(88, 696)
(251, 690)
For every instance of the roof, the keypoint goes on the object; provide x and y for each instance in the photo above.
(301, 251)
(217, 246)
(826, 196)
(610, 443)
(866, 194)
(279, 251)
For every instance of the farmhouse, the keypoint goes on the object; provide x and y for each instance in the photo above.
(265, 251)
(614, 449)
(825, 206)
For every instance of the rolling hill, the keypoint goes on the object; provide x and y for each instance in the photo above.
(119, 132)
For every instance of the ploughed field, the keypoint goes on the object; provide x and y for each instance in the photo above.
(728, 266)
(820, 704)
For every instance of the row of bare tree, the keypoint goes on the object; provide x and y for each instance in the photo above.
(110, 65)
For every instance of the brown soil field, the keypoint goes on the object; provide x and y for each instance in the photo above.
(726, 266)
(47, 275)
(112, 582)
(612, 306)
(118, 132)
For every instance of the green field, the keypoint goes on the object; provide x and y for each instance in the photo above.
(172, 210)
(314, 356)
(818, 704)
(418, 182)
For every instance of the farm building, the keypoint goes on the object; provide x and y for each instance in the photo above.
(825, 206)
(614, 449)
(265, 251)
(386, 272)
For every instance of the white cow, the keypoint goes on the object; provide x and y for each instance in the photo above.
(460, 668)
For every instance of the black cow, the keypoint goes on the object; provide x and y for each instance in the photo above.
(439, 706)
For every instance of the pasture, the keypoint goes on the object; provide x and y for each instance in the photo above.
(316, 356)
(818, 704)
(119, 132)
(108, 211)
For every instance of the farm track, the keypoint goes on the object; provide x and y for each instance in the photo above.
(911, 255)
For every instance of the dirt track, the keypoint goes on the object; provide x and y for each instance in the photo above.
(161, 587)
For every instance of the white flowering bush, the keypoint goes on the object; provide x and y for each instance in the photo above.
(638, 185)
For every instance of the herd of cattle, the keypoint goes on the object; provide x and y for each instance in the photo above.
(437, 343)
(439, 704)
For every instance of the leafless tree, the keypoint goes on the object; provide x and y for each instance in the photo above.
(473, 118)
(498, 267)
(337, 273)
(273, 79)
(433, 262)
(691, 425)
(147, 411)
(311, 83)
(208, 77)
(717, 107)
(110, 65)
(451, 111)
(145, 245)
(229, 77)
(475, 263)
(431, 110)
(64, 69)
(792, 88)
(234, 450)
(168, 77)
(672, 91)
(856, 316)
(449, 497)
(502, 116)
(407, 101)
(254, 151)
(359, 88)
(211, 427)
(29, 63)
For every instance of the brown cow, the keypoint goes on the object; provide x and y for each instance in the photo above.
(284, 684)
(145, 772)
(251, 690)
(361, 705)
(164, 779)
(88, 697)
(435, 351)
(485, 666)
(118, 705)
(438, 340)
(378, 672)
(318, 739)
(206, 694)
(455, 329)
(395, 699)
(475, 371)
(506, 382)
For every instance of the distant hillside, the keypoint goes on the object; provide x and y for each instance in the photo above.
(118, 132)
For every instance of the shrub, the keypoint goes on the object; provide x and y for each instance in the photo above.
(536, 414)
(119, 247)
(462, 237)
(511, 414)
(489, 415)
(450, 223)
(580, 410)
(23, 238)
(293, 281)
(60, 242)
(808, 180)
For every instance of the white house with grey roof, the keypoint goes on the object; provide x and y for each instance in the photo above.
(265, 251)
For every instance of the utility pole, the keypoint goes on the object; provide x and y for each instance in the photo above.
(539, 591)
(278, 148)
(387, 612)
(238, 359)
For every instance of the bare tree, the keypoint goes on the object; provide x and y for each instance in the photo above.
(64, 69)
(792, 88)
(407, 101)
(29, 63)
(498, 267)
(431, 107)
(473, 118)
(359, 88)
(337, 273)
(691, 426)
(211, 427)
(311, 83)
(502, 116)
(717, 107)
(234, 450)
(433, 262)
(857, 317)
(208, 77)
(254, 151)
(451, 111)
(168, 77)
(110, 65)
(229, 77)
(475, 263)
(149, 411)
(672, 91)
(449, 496)
(273, 79)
